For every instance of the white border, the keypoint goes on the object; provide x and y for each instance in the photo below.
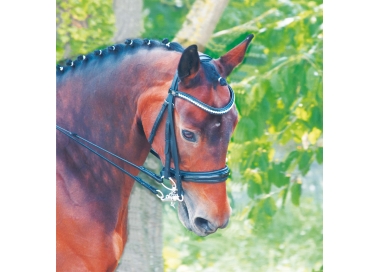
(27, 118)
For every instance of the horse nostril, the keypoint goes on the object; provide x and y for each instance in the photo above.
(204, 225)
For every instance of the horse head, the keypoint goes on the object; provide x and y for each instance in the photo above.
(201, 137)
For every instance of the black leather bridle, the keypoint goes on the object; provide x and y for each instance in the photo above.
(171, 149)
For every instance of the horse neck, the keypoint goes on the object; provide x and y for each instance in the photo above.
(99, 102)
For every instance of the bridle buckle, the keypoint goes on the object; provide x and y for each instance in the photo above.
(172, 196)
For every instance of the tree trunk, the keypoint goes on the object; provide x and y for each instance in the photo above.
(129, 21)
(200, 22)
(143, 251)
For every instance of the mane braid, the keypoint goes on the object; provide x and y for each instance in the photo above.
(129, 46)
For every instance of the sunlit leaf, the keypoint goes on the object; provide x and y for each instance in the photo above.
(314, 135)
(253, 175)
(271, 154)
(301, 113)
(171, 257)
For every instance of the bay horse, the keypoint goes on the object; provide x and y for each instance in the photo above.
(114, 106)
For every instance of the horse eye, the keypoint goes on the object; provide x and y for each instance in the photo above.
(188, 135)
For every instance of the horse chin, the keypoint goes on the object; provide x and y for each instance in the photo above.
(184, 212)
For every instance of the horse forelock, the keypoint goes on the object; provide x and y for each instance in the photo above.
(131, 46)
(211, 73)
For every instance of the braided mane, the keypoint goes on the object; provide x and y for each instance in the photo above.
(130, 46)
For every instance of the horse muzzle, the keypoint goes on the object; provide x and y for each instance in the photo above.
(202, 217)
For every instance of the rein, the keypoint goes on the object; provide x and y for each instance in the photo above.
(171, 149)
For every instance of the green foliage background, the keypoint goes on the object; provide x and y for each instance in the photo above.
(276, 224)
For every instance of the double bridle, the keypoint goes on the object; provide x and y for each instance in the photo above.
(171, 149)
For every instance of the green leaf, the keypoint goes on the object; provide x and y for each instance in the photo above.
(244, 130)
(312, 78)
(258, 92)
(277, 175)
(319, 155)
(266, 185)
(316, 119)
(295, 130)
(285, 136)
(269, 206)
(277, 83)
(263, 212)
(253, 189)
(305, 161)
(294, 155)
(299, 128)
(285, 193)
(263, 161)
(296, 193)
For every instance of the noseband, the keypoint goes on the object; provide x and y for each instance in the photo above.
(171, 149)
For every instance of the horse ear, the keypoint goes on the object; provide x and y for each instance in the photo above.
(189, 63)
(233, 57)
